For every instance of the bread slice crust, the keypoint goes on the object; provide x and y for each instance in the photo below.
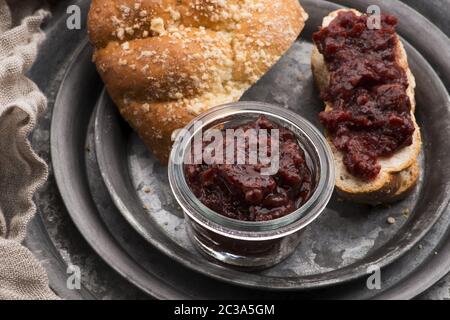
(399, 172)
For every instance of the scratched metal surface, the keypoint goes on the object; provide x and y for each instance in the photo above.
(343, 235)
(52, 235)
(437, 13)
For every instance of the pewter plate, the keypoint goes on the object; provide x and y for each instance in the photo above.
(337, 247)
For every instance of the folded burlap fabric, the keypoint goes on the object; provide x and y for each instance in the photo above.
(21, 170)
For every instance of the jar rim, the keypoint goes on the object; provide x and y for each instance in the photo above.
(253, 230)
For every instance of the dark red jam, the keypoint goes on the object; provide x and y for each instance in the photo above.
(240, 191)
(370, 115)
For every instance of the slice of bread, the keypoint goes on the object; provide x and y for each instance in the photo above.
(164, 62)
(400, 171)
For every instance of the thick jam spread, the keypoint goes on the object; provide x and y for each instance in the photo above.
(241, 191)
(370, 116)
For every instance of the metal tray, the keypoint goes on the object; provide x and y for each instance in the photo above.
(345, 241)
(155, 273)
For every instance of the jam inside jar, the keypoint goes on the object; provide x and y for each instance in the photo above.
(241, 191)
(234, 213)
(371, 110)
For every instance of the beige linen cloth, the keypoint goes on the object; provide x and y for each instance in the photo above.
(21, 170)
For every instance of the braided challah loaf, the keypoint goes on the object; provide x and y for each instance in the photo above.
(165, 61)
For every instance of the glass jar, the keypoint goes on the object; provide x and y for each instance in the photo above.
(251, 244)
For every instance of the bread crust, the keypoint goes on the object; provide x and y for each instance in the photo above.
(165, 62)
(398, 173)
